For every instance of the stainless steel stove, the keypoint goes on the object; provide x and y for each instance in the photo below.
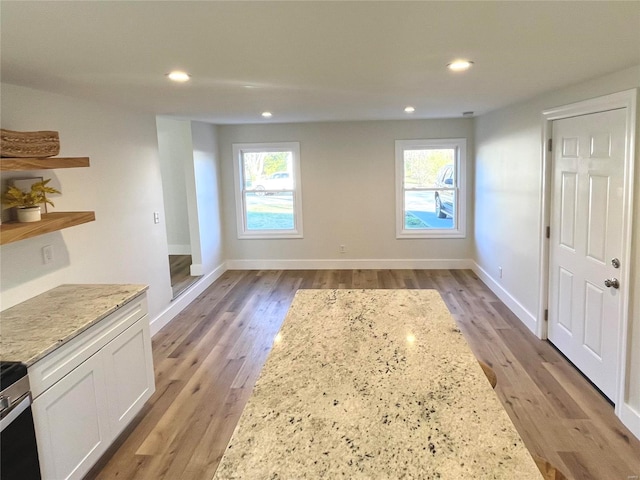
(19, 451)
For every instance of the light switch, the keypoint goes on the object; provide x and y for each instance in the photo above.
(47, 254)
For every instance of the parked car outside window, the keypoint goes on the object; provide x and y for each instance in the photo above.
(276, 181)
(430, 188)
(444, 196)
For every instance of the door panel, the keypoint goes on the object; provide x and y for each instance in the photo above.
(594, 305)
(586, 233)
(568, 209)
(598, 208)
(570, 147)
(565, 300)
(601, 145)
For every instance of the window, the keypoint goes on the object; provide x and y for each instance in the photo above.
(268, 194)
(430, 188)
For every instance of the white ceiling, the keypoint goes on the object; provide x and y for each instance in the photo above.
(313, 60)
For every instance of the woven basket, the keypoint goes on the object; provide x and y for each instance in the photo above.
(29, 144)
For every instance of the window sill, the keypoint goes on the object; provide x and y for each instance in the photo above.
(268, 236)
(432, 234)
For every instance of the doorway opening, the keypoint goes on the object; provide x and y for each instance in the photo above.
(175, 147)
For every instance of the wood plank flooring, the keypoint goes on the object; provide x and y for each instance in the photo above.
(209, 357)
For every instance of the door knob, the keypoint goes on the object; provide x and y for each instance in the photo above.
(612, 283)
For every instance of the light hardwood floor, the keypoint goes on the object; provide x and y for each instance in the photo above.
(209, 357)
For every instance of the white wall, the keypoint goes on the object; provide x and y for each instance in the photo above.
(207, 172)
(176, 149)
(348, 186)
(122, 186)
(508, 200)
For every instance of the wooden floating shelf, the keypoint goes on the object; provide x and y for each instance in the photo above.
(51, 222)
(16, 164)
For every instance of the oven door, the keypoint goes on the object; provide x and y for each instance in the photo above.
(19, 451)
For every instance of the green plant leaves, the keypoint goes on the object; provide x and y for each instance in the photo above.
(14, 197)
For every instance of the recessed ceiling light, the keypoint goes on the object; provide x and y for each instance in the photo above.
(267, 114)
(178, 76)
(409, 109)
(460, 65)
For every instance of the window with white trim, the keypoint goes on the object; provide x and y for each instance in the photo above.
(430, 188)
(268, 190)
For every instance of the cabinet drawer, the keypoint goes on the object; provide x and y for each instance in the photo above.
(47, 371)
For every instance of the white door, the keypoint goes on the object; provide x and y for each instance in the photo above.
(586, 241)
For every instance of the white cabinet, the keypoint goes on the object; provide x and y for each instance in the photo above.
(89, 389)
(71, 428)
(128, 367)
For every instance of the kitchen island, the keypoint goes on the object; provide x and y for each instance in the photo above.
(373, 384)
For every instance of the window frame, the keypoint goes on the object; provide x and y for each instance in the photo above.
(240, 189)
(460, 176)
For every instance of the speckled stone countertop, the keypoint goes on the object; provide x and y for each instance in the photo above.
(36, 327)
(373, 384)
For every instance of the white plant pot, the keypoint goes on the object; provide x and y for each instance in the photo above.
(29, 214)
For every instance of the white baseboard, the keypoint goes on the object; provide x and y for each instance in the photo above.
(630, 418)
(514, 305)
(201, 285)
(196, 270)
(350, 264)
(363, 264)
(179, 249)
(185, 299)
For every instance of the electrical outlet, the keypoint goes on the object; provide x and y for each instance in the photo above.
(47, 254)
(343, 249)
(156, 217)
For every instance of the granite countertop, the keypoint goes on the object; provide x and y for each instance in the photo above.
(373, 384)
(36, 327)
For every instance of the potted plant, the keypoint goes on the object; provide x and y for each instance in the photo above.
(28, 203)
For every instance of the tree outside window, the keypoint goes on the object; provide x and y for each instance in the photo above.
(268, 191)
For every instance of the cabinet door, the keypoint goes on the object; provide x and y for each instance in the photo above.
(72, 428)
(129, 374)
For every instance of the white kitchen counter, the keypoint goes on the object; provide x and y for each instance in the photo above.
(374, 384)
